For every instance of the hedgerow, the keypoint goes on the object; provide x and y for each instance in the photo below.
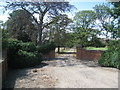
(111, 57)
(25, 54)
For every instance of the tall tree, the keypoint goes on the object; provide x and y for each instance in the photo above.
(107, 21)
(1, 25)
(20, 22)
(84, 23)
(42, 9)
(57, 31)
(116, 15)
(116, 9)
(85, 19)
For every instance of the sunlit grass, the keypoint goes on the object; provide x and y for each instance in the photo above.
(62, 49)
(96, 48)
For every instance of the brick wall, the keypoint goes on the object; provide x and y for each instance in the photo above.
(88, 54)
(49, 55)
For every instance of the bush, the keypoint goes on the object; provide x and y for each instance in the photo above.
(111, 57)
(4, 43)
(11, 44)
(23, 36)
(21, 54)
(25, 59)
(15, 44)
(25, 54)
(95, 42)
(46, 47)
(28, 46)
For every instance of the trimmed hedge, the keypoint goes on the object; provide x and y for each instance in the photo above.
(11, 44)
(25, 59)
(24, 37)
(25, 54)
(21, 55)
(29, 47)
(46, 47)
(111, 57)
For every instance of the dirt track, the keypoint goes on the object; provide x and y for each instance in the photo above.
(64, 72)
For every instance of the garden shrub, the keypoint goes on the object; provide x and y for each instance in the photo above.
(21, 54)
(5, 34)
(95, 42)
(25, 59)
(46, 48)
(25, 54)
(4, 43)
(111, 57)
(13, 44)
(23, 36)
(28, 46)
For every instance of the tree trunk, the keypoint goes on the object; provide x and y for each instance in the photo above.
(58, 49)
(39, 36)
(40, 28)
(64, 47)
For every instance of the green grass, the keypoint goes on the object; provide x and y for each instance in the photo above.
(56, 50)
(62, 49)
(95, 48)
(66, 50)
(87, 48)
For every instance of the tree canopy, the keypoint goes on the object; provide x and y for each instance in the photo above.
(83, 27)
(58, 30)
(42, 9)
(85, 19)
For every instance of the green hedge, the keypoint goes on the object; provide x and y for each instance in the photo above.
(25, 54)
(15, 45)
(111, 57)
(29, 47)
(21, 54)
(11, 44)
(25, 59)
(45, 48)
(23, 36)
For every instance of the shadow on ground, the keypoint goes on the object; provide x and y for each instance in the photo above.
(55, 59)
(13, 74)
(67, 53)
(90, 63)
(61, 61)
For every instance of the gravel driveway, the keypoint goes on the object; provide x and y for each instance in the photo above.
(63, 72)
